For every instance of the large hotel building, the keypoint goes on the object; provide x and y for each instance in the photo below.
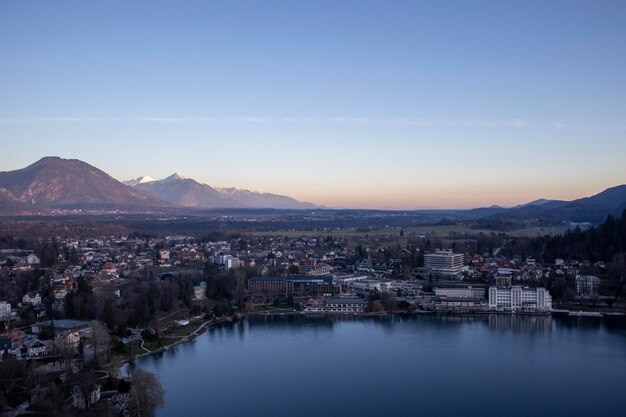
(517, 298)
(444, 263)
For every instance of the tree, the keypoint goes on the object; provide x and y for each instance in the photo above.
(146, 394)
(569, 295)
(86, 383)
(48, 332)
(101, 341)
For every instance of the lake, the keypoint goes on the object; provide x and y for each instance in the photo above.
(492, 365)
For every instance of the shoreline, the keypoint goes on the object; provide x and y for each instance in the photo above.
(210, 323)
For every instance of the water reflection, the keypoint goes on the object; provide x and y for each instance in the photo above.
(519, 324)
(389, 323)
(273, 366)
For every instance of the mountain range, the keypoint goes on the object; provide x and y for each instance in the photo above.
(53, 183)
(187, 192)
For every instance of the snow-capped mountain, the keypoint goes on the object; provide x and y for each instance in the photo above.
(190, 193)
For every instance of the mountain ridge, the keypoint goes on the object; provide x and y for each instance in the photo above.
(57, 183)
(188, 192)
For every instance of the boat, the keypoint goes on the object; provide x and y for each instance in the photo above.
(585, 314)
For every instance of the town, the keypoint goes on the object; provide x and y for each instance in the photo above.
(70, 304)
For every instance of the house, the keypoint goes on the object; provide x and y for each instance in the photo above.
(32, 259)
(314, 305)
(199, 291)
(400, 255)
(36, 348)
(164, 255)
(32, 299)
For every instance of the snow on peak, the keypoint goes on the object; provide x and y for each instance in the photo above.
(139, 180)
(175, 176)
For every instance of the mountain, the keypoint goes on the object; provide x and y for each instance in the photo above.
(190, 193)
(139, 180)
(186, 192)
(539, 202)
(10, 205)
(592, 209)
(255, 199)
(56, 183)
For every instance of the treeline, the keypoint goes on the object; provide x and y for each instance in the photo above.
(602, 243)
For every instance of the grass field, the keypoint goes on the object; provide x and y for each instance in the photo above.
(182, 331)
(457, 231)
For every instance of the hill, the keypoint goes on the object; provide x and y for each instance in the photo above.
(56, 183)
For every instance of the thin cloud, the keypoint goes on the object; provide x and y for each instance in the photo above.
(515, 123)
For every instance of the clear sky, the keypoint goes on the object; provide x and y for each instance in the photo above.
(352, 104)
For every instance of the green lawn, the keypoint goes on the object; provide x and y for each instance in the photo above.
(182, 331)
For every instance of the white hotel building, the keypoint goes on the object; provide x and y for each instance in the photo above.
(519, 298)
(444, 263)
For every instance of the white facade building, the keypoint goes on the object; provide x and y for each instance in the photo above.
(233, 263)
(519, 298)
(5, 310)
(444, 263)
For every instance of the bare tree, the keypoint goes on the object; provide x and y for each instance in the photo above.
(101, 341)
(146, 394)
(85, 386)
(67, 351)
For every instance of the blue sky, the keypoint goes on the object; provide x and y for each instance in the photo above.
(353, 104)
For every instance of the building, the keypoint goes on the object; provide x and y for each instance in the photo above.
(314, 305)
(199, 291)
(519, 298)
(292, 285)
(460, 292)
(36, 348)
(444, 263)
(233, 263)
(587, 286)
(344, 305)
(318, 269)
(32, 299)
(32, 259)
(405, 287)
(503, 280)
(82, 328)
(5, 310)
(312, 285)
(270, 285)
(459, 305)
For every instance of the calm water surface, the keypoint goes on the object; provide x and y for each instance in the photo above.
(404, 366)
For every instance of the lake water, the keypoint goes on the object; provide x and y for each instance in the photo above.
(496, 365)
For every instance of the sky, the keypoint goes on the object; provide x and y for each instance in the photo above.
(366, 104)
